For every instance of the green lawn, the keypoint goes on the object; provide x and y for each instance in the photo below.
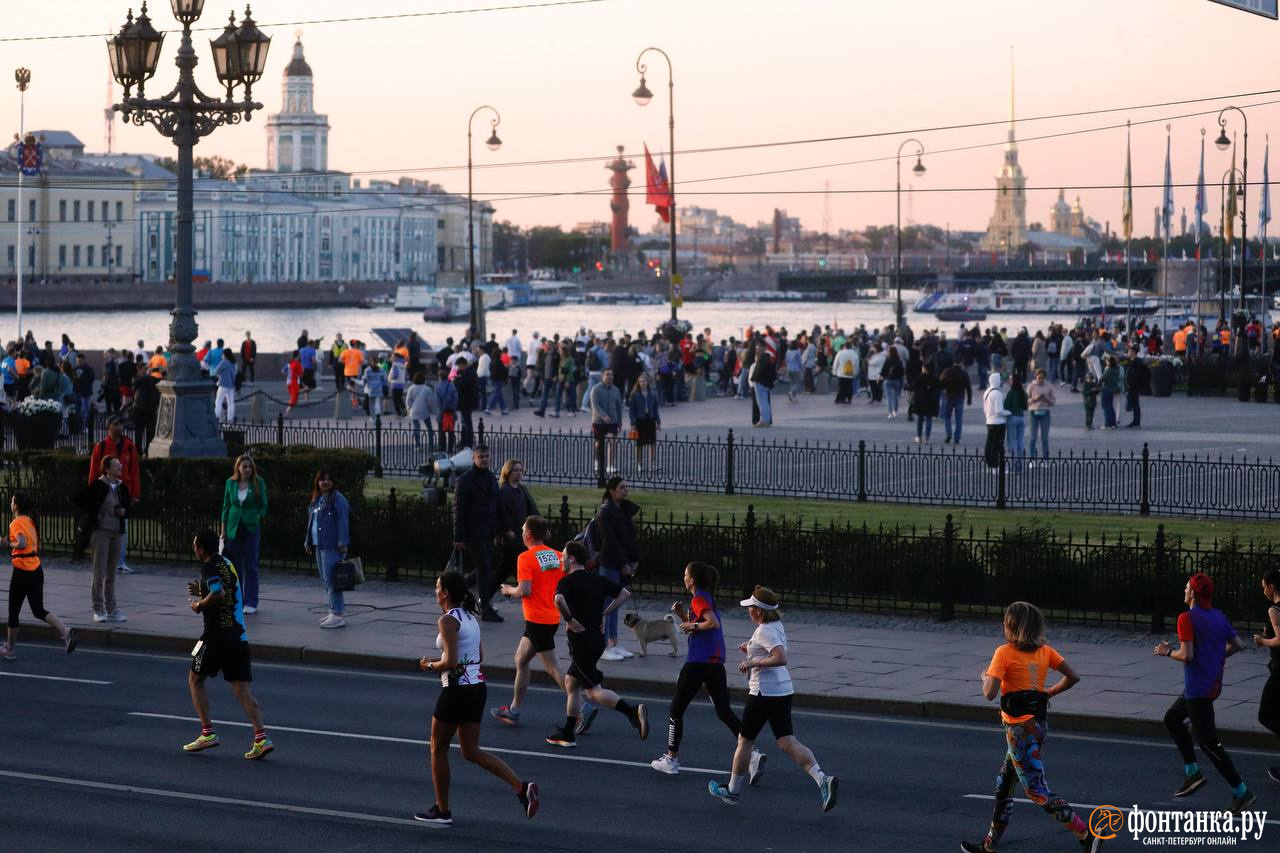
(678, 504)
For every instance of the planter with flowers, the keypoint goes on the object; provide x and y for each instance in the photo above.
(1163, 369)
(35, 423)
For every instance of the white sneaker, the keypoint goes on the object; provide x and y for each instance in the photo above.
(99, 617)
(625, 654)
(666, 764)
(125, 570)
(251, 609)
(917, 440)
(117, 617)
(756, 767)
(612, 653)
(333, 620)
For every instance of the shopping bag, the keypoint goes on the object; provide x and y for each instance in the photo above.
(348, 574)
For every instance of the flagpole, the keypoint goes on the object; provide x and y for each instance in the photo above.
(23, 78)
(1128, 232)
(1264, 217)
(1166, 214)
(1201, 207)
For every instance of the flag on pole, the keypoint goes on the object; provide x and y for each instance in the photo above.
(1229, 227)
(1264, 211)
(1126, 215)
(1202, 200)
(657, 190)
(1166, 211)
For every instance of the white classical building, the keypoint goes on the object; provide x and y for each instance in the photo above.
(298, 136)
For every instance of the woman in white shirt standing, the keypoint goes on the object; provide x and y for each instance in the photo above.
(460, 706)
(768, 701)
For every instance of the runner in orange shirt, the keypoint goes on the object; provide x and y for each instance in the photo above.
(538, 570)
(27, 583)
(352, 359)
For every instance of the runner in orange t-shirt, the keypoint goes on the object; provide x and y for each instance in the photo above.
(538, 570)
(27, 583)
(1017, 674)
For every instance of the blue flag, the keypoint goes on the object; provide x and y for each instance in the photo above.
(1166, 211)
(1264, 212)
(1202, 204)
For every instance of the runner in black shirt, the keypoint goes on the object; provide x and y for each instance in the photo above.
(581, 596)
(224, 645)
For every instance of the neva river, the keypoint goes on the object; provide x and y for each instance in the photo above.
(276, 330)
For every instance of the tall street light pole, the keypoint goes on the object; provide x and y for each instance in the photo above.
(1223, 143)
(22, 77)
(1223, 280)
(186, 423)
(919, 170)
(477, 302)
(642, 97)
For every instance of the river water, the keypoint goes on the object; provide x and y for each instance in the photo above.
(276, 330)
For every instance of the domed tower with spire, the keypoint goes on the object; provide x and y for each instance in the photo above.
(1008, 226)
(298, 136)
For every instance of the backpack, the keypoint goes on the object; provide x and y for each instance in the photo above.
(593, 360)
(588, 536)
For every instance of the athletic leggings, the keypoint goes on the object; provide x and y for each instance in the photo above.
(1200, 713)
(1022, 764)
(1269, 707)
(26, 586)
(693, 677)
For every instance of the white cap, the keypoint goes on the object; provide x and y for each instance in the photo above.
(755, 602)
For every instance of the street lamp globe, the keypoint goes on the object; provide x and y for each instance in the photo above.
(187, 11)
(918, 168)
(493, 141)
(226, 55)
(115, 53)
(141, 45)
(1222, 141)
(642, 94)
(252, 44)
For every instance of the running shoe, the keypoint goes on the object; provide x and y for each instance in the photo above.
(260, 749)
(589, 714)
(756, 767)
(975, 847)
(625, 654)
(250, 609)
(1191, 784)
(436, 816)
(721, 793)
(117, 616)
(70, 640)
(7, 653)
(99, 617)
(642, 720)
(828, 791)
(506, 715)
(208, 741)
(1239, 804)
(528, 798)
(666, 764)
(1274, 774)
(563, 738)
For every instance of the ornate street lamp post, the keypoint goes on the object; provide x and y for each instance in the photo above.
(477, 301)
(918, 169)
(186, 424)
(22, 77)
(643, 96)
(1223, 143)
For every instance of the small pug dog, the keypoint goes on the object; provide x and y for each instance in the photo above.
(652, 630)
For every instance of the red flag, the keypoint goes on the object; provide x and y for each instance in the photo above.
(1197, 253)
(657, 190)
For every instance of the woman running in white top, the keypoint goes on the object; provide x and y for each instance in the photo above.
(461, 704)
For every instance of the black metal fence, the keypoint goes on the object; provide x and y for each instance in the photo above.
(941, 572)
(1142, 482)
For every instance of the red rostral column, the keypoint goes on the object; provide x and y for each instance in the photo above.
(619, 204)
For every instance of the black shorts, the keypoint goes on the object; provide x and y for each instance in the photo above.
(774, 710)
(584, 657)
(543, 637)
(309, 378)
(231, 657)
(462, 703)
(602, 430)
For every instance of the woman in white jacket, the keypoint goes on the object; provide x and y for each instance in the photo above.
(996, 415)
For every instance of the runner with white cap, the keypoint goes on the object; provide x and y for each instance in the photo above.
(768, 701)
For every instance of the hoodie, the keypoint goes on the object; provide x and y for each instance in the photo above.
(993, 401)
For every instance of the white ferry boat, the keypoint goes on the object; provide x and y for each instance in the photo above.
(1039, 297)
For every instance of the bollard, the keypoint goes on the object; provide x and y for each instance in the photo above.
(342, 405)
(697, 388)
(257, 408)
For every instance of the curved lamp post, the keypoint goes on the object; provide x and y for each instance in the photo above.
(476, 317)
(919, 170)
(1222, 230)
(642, 97)
(1223, 143)
(186, 423)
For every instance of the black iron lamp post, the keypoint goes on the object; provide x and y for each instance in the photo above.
(477, 301)
(919, 170)
(186, 424)
(642, 97)
(1223, 143)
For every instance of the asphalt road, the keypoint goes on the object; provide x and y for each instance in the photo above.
(90, 758)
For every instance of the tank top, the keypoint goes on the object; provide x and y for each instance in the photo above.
(467, 670)
(1267, 632)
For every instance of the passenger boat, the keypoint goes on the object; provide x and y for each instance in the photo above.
(1039, 297)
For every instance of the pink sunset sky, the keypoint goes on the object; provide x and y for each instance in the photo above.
(398, 93)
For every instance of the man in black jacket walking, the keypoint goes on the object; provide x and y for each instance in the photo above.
(1136, 377)
(475, 524)
(468, 385)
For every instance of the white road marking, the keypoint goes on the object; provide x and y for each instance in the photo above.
(205, 798)
(52, 678)
(1077, 806)
(561, 756)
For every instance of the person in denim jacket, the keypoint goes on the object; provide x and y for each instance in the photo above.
(328, 536)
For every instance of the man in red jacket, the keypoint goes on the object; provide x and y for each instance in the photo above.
(119, 445)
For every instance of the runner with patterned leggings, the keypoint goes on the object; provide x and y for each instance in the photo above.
(1017, 674)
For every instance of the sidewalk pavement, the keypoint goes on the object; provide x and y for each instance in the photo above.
(850, 662)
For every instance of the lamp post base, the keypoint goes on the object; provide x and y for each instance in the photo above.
(185, 424)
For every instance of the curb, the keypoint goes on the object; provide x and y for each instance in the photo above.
(116, 638)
